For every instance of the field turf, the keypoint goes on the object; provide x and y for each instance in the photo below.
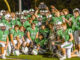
(32, 57)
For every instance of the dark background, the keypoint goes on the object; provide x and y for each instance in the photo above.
(27, 4)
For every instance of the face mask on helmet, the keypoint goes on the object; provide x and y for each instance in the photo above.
(8, 17)
(23, 20)
(31, 11)
(3, 28)
(42, 12)
(25, 12)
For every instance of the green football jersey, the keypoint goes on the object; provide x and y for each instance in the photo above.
(21, 34)
(44, 19)
(15, 22)
(28, 15)
(68, 16)
(35, 21)
(18, 23)
(57, 19)
(18, 19)
(24, 17)
(41, 42)
(75, 23)
(15, 33)
(8, 25)
(64, 34)
(44, 32)
(3, 35)
(27, 24)
(3, 17)
(33, 32)
(3, 21)
(78, 22)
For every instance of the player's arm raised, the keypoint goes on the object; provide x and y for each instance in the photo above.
(36, 13)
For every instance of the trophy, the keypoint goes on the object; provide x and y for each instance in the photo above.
(42, 6)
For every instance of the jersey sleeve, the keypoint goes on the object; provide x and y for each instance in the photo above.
(70, 31)
(11, 31)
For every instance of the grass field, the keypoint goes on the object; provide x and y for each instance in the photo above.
(32, 57)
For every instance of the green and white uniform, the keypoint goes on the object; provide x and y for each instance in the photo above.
(33, 33)
(57, 19)
(15, 22)
(6, 23)
(36, 22)
(76, 23)
(41, 42)
(76, 28)
(15, 34)
(44, 19)
(68, 16)
(26, 24)
(3, 38)
(66, 36)
(3, 35)
(21, 35)
(44, 32)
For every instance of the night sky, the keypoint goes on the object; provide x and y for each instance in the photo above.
(27, 4)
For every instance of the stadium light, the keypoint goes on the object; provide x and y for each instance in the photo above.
(20, 5)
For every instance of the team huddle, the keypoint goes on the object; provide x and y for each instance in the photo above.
(39, 31)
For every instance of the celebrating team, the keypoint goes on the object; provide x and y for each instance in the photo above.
(36, 31)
